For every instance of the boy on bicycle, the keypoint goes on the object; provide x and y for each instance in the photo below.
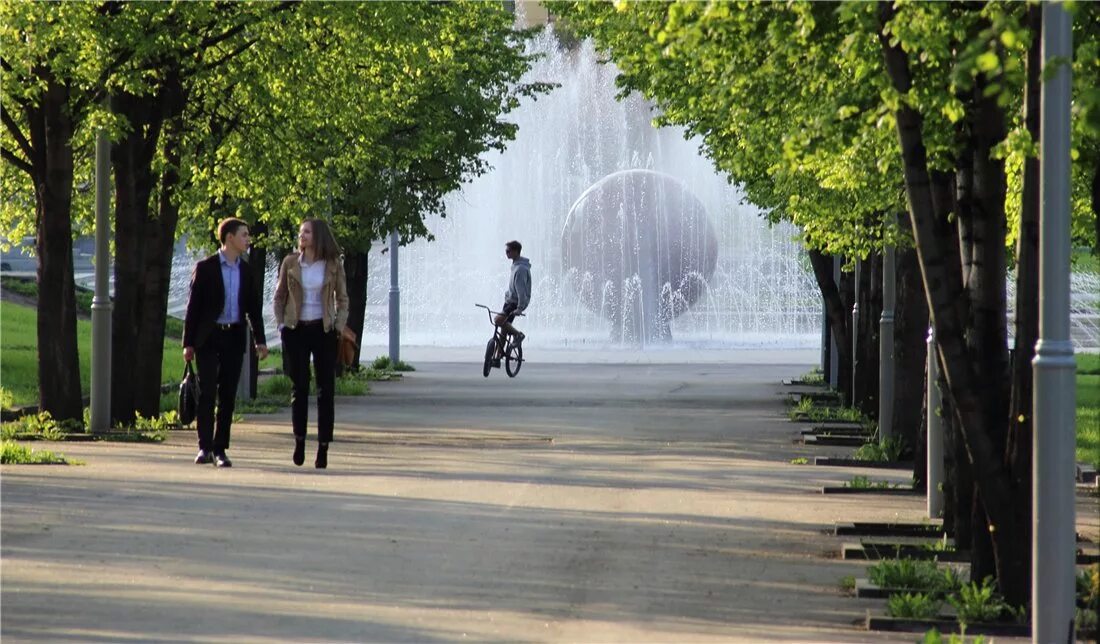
(518, 295)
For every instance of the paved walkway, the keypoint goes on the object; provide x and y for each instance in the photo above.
(574, 503)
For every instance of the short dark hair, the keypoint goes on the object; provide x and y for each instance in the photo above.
(514, 246)
(229, 227)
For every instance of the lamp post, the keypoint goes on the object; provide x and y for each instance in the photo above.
(101, 300)
(1052, 561)
(395, 303)
(886, 348)
(934, 475)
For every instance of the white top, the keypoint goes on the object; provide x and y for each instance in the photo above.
(313, 276)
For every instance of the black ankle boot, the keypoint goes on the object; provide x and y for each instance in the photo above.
(299, 451)
(322, 456)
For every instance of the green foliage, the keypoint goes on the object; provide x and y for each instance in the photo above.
(15, 454)
(813, 377)
(934, 637)
(913, 606)
(382, 363)
(801, 460)
(914, 575)
(146, 430)
(40, 426)
(1088, 588)
(889, 449)
(276, 387)
(863, 483)
(7, 400)
(847, 584)
(808, 409)
(977, 603)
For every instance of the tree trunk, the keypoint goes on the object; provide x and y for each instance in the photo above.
(941, 269)
(1019, 445)
(144, 246)
(837, 313)
(870, 312)
(51, 133)
(355, 266)
(910, 356)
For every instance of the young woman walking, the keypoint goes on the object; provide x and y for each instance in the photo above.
(311, 308)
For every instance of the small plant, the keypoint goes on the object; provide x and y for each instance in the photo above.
(15, 454)
(976, 603)
(864, 483)
(146, 429)
(276, 387)
(40, 426)
(847, 584)
(889, 450)
(913, 606)
(933, 637)
(801, 460)
(906, 574)
(383, 363)
(351, 387)
(813, 377)
(7, 399)
(939, 545)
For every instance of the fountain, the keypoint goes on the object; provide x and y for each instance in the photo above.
(752, 289)
(638, 249)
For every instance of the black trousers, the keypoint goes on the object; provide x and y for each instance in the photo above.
(310, 339)
(219, 368)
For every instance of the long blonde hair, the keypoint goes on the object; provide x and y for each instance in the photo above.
(324, 243)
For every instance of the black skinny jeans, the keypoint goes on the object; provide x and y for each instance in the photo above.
(309, 339)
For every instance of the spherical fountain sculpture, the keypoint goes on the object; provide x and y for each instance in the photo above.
(639, 250)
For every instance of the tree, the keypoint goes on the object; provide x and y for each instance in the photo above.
(791, 100)
(50, 80)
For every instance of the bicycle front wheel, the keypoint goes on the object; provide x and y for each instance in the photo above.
(513, 361)
(490, 350)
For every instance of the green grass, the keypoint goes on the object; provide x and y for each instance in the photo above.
(382, 363)
(15, 454)
(19, 351)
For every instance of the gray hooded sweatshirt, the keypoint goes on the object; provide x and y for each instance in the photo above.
(519, 288)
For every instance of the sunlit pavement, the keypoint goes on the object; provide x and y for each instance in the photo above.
(577, 502)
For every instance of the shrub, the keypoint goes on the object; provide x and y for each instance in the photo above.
(383, 363)
(979, 603)
(15, 454)
(889, 449)
(906, 574)
(913, 606)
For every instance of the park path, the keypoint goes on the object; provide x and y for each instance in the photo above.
(598, 502)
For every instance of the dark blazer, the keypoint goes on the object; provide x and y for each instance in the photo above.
(207, 299)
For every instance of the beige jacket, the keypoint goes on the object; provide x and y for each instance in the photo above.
(289, 296)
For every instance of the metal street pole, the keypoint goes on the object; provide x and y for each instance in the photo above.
(855, 331)
(834, 350)
(886, 348)
(101, 300)
(934, 473)
(395, 303)
(1052, 562)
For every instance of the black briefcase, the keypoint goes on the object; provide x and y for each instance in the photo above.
(189, 396)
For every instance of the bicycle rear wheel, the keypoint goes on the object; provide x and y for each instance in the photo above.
(490, 349)
(513, 361)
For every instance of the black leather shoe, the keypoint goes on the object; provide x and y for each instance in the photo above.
(204, 457)
(221, 460)
(299, 451)
(322, 456)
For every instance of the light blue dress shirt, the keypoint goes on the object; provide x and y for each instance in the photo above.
(231, 279)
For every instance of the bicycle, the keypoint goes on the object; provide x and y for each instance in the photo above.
(501, 347)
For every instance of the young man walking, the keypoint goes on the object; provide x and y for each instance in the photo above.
(222, 296)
